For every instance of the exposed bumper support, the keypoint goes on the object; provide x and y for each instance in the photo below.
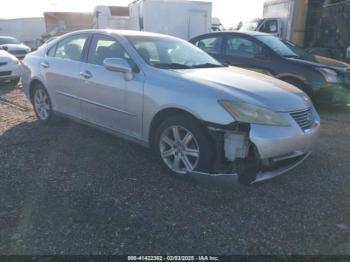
(233, 179)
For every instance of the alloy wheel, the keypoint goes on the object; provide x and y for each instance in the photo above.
(179, 149)
(42, 104)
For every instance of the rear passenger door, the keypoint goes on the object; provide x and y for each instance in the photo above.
(213, 45)
(108, 100)
(61, 70)
(245, 52)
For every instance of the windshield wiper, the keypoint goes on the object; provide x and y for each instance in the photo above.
(172, 66)
(207, 65)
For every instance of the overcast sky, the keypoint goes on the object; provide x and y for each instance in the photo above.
(229, 11)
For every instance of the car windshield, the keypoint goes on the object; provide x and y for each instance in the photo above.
(297, 50)
(169, 53)
(278, 46)
(250, 26)
(8, 40)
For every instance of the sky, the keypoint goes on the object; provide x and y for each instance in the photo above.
(229, 11)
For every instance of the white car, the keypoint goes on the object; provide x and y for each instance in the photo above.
(10, 69)
(13, 46)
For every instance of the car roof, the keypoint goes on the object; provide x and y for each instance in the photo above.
(7, 37)
(249, 33)
(120, 32)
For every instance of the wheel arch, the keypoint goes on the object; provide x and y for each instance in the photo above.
(35, 82)
(296, 78)
(300, 82)
(164, 114)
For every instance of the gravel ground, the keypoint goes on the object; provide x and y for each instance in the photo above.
(69, 189)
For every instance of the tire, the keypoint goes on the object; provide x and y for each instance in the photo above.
(182, 144)
(42, 104)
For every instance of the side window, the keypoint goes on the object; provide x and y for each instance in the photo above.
(51, 52)
(210, 45)
(242, 47)
(270, 27)
(71, 48)
(103, 47)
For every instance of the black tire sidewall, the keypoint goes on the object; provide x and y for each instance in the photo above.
(205, 143)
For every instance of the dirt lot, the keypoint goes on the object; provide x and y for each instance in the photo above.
(69, 189)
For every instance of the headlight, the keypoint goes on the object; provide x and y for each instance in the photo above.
(248, 113)
(329, 75)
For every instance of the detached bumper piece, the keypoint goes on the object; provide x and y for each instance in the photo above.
(275, 168)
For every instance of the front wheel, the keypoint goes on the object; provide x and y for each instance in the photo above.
(42, 104)
(183, 145)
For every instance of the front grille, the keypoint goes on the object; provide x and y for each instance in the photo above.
(5, 73)
(304, 118)
(3, 63)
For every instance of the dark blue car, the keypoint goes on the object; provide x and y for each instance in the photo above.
(325, 80)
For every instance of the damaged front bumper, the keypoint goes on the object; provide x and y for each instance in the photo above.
(232, 179)
(260, 152)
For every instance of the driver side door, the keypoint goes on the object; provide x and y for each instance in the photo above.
(108, 99)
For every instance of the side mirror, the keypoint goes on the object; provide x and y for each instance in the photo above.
(119, 65)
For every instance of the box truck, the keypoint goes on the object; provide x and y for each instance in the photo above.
(181, 18)
(116, 17)
(322, 26)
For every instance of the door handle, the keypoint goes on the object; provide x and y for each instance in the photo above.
(86, 74)
(45, 64)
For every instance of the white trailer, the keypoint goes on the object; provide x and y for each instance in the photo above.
(23, 29)
(113, 17)
(181, 18)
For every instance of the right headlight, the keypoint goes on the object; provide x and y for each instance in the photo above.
(329, 75)
(248, 113)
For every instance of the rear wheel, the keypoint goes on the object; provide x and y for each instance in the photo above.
(183, 145)
(42, 104)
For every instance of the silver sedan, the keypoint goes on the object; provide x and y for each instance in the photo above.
(202, 119)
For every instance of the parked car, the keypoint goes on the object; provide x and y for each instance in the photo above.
(324, 80)
(202, 119)
(10, 69)
(13, 46)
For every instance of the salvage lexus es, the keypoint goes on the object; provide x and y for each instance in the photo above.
(203, 119)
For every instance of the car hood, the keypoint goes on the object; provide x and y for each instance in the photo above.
(325, 62)
(6, 57)
(251, 87)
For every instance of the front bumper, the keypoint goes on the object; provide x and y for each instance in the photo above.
(335, 94)
(10, 73)
(277, 150)
(234, 178)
